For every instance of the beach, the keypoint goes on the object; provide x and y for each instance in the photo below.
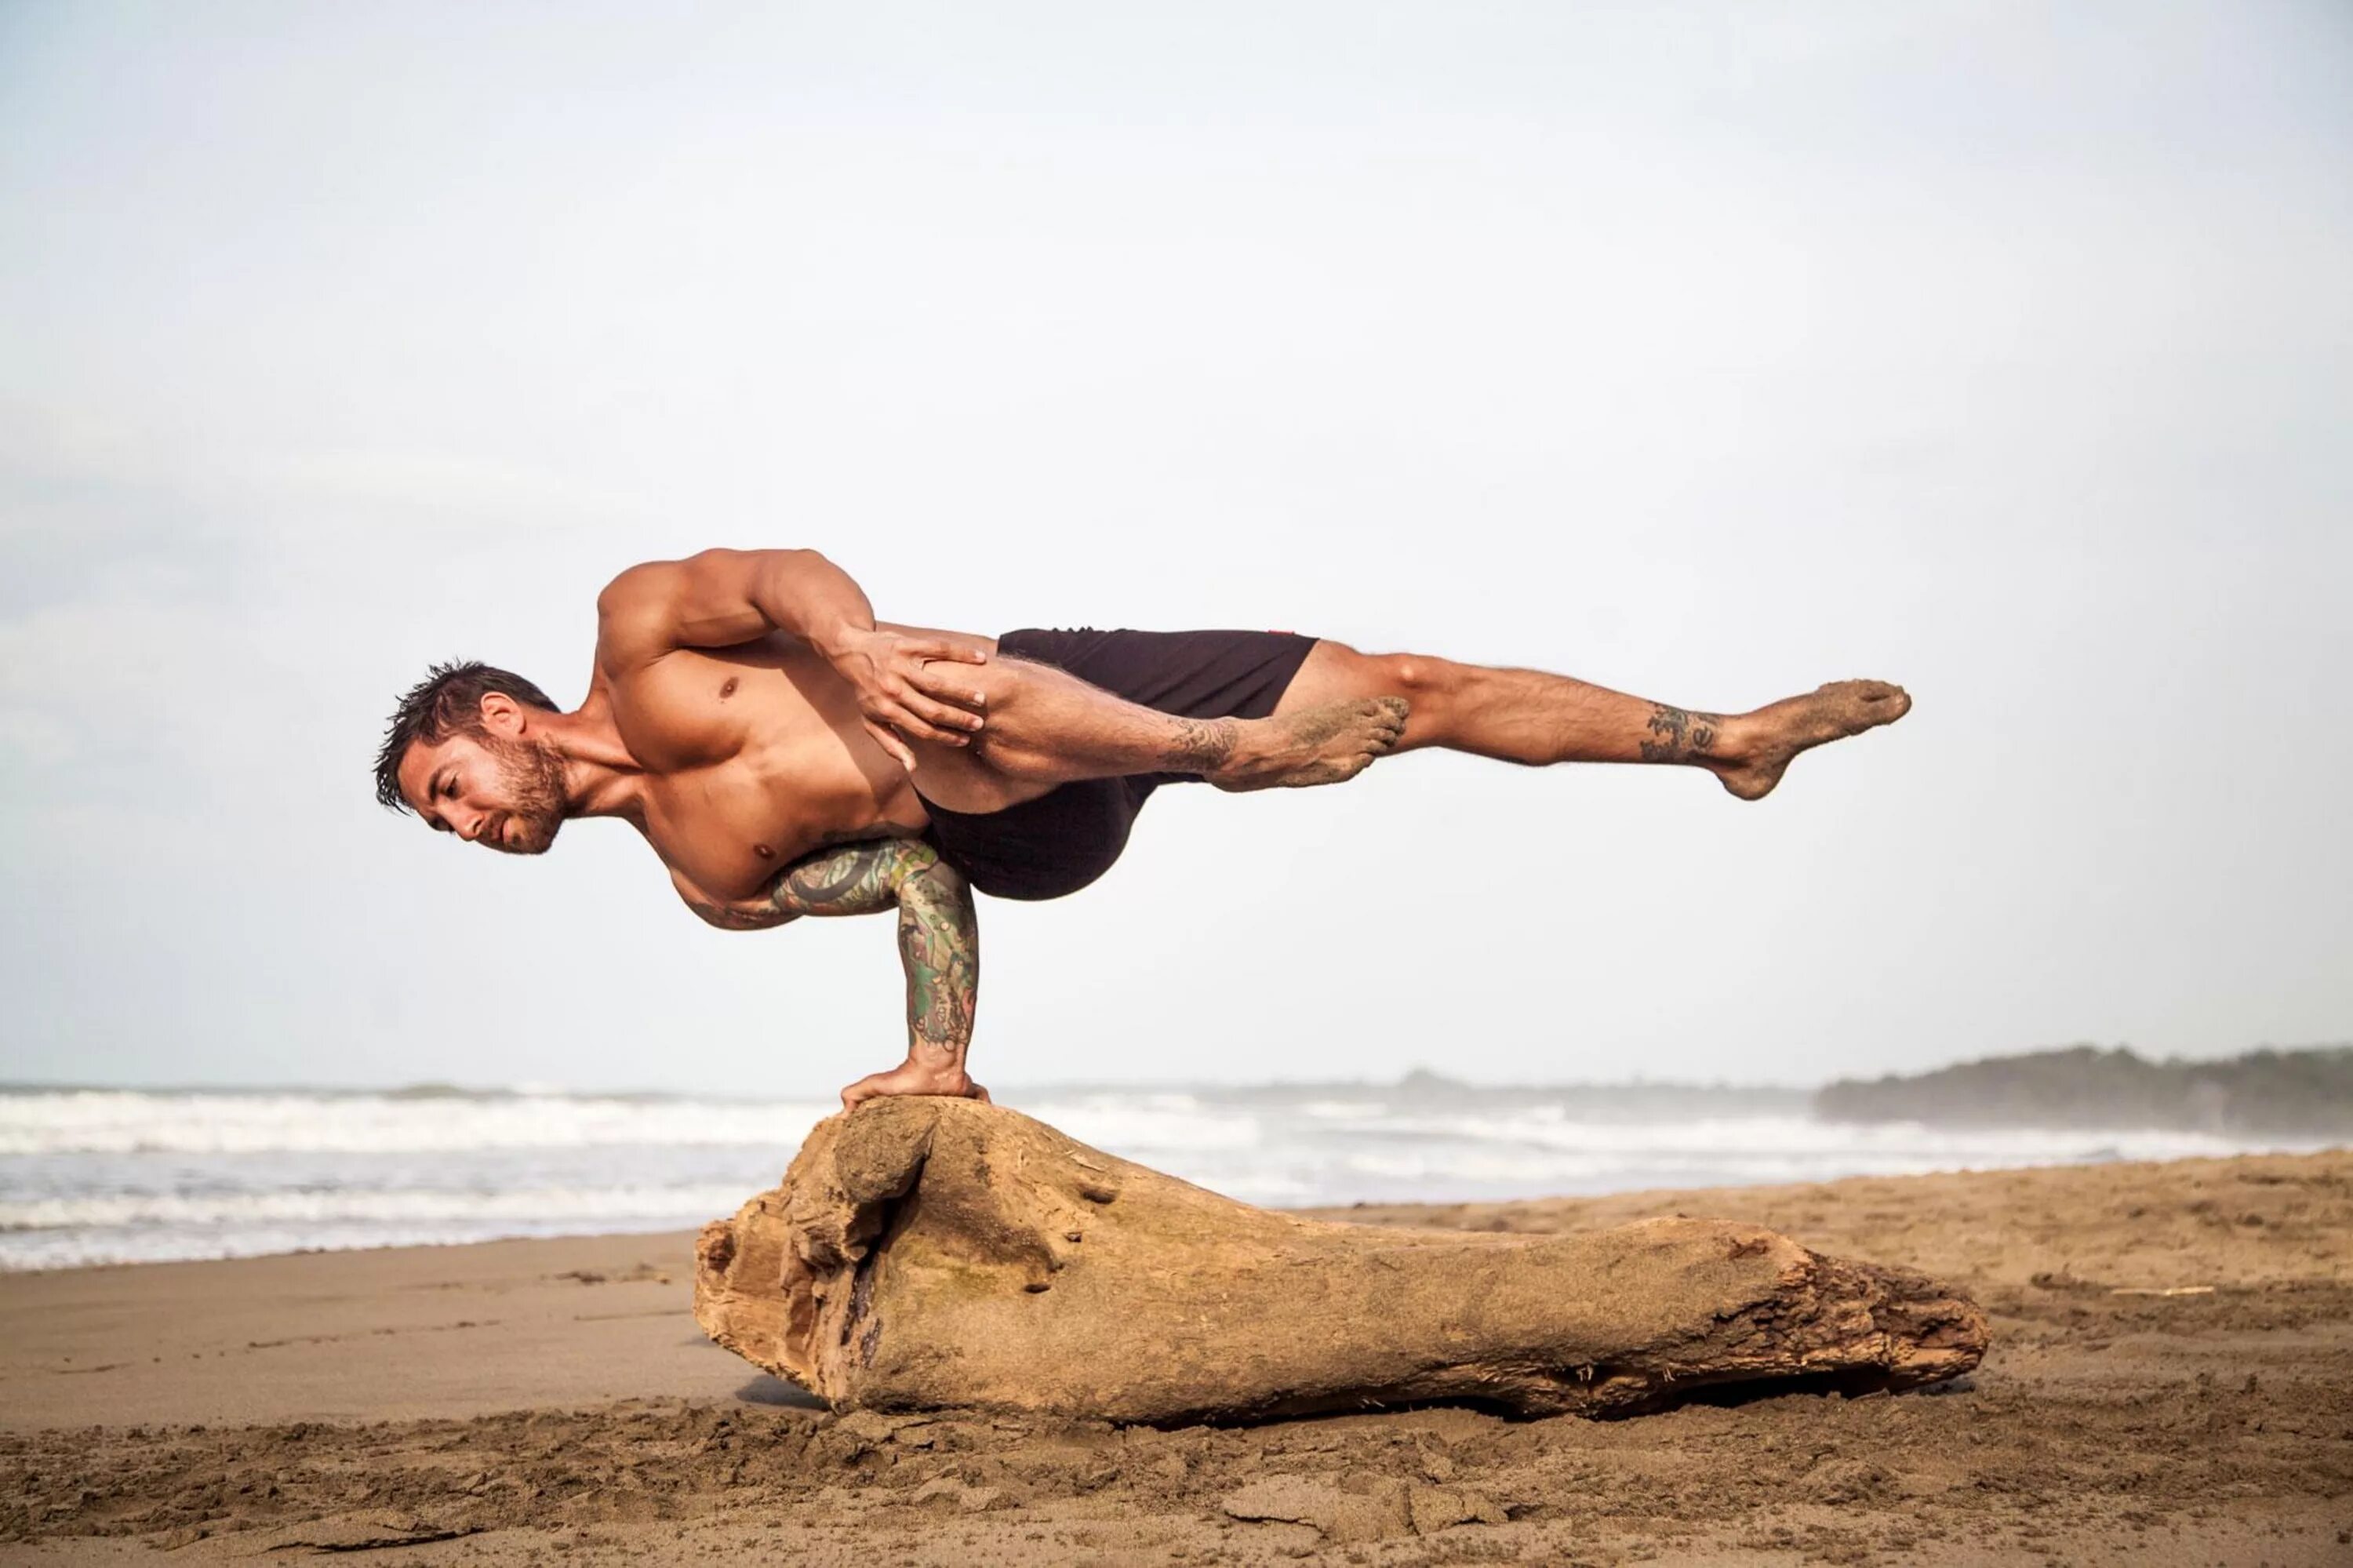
(2173, 1344)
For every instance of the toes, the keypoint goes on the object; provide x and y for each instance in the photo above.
(1883, 703)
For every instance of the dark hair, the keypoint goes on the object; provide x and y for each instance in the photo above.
(448, 701)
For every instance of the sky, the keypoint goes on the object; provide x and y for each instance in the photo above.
(1708, 352)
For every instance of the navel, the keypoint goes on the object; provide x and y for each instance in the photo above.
(728, 689)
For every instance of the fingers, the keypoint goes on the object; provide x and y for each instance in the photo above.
(953, 723)
(889, 740)
(876, 1086)
(903, 693)
(941, 649)
(914, 726)
(951, 686)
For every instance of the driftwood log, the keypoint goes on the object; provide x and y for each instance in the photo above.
(928, 1253)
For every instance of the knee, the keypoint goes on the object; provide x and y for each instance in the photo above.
(1019, 736)
(1417, 677)
(1001, 684)
(1001, 746)
(1020, 763)
(1010, 693)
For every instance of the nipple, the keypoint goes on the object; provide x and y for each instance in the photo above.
(764, 851)
(726, 692)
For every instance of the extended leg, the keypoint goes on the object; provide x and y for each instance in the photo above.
(1532, 717)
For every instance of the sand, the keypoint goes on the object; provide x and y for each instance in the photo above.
(2171, 1381)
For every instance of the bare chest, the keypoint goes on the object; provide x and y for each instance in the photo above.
(753, 759)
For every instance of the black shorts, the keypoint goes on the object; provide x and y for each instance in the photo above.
(1068, 836)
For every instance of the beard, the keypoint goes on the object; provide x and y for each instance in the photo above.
(530, 776)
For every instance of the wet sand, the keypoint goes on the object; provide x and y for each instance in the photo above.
(2171, 1381)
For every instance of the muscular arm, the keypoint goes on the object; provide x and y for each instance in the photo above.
(939, 943)
(720, 598)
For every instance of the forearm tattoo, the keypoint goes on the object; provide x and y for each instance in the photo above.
(939, 930)
(939, 942)
(1678, 734)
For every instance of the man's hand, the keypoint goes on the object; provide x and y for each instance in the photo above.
(913, 1077)
(906, 685)
(910, 686)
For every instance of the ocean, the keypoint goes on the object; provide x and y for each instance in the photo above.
(95, 1176)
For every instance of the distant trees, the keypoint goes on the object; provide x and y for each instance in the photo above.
(2301, 1092)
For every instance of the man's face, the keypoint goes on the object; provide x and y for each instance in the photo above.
(488, 789)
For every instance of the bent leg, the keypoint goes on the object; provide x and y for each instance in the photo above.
(1045, 728)
(1532, 717)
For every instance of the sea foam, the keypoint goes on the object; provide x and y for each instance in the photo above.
(106, 1176)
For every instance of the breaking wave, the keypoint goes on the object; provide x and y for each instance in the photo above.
(113, 1176)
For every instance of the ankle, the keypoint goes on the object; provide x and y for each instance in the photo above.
(1739, 738)
(1209, 746)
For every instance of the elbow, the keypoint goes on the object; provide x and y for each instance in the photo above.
(727, 918)
(946, 880)
(919, 878)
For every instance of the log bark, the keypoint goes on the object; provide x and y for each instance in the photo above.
(927, 1253)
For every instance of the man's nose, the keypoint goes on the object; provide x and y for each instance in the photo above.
(472, 828)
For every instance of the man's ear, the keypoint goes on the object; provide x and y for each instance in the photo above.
(501, 715)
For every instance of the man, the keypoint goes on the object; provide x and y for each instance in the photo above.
(788, 754)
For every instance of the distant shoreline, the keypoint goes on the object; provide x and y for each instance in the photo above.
(1417, 1080)
(2302, 1094)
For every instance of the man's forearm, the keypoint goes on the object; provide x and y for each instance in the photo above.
(939, 943)
(939, 931)
(805, 596)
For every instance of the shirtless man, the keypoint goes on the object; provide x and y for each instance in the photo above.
(788, 754)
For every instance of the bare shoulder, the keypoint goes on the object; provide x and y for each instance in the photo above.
(635, 615)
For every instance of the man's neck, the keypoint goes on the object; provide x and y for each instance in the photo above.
(601, 779)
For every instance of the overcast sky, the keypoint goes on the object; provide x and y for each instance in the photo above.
(1710, 352)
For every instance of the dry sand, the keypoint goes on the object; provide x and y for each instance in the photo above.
(551, 1402)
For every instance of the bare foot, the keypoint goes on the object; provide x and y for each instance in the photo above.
(1319, 745)
(1755, 750)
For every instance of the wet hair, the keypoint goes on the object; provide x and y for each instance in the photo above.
(448, 702)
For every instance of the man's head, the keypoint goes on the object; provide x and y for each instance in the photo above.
(463, 753)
